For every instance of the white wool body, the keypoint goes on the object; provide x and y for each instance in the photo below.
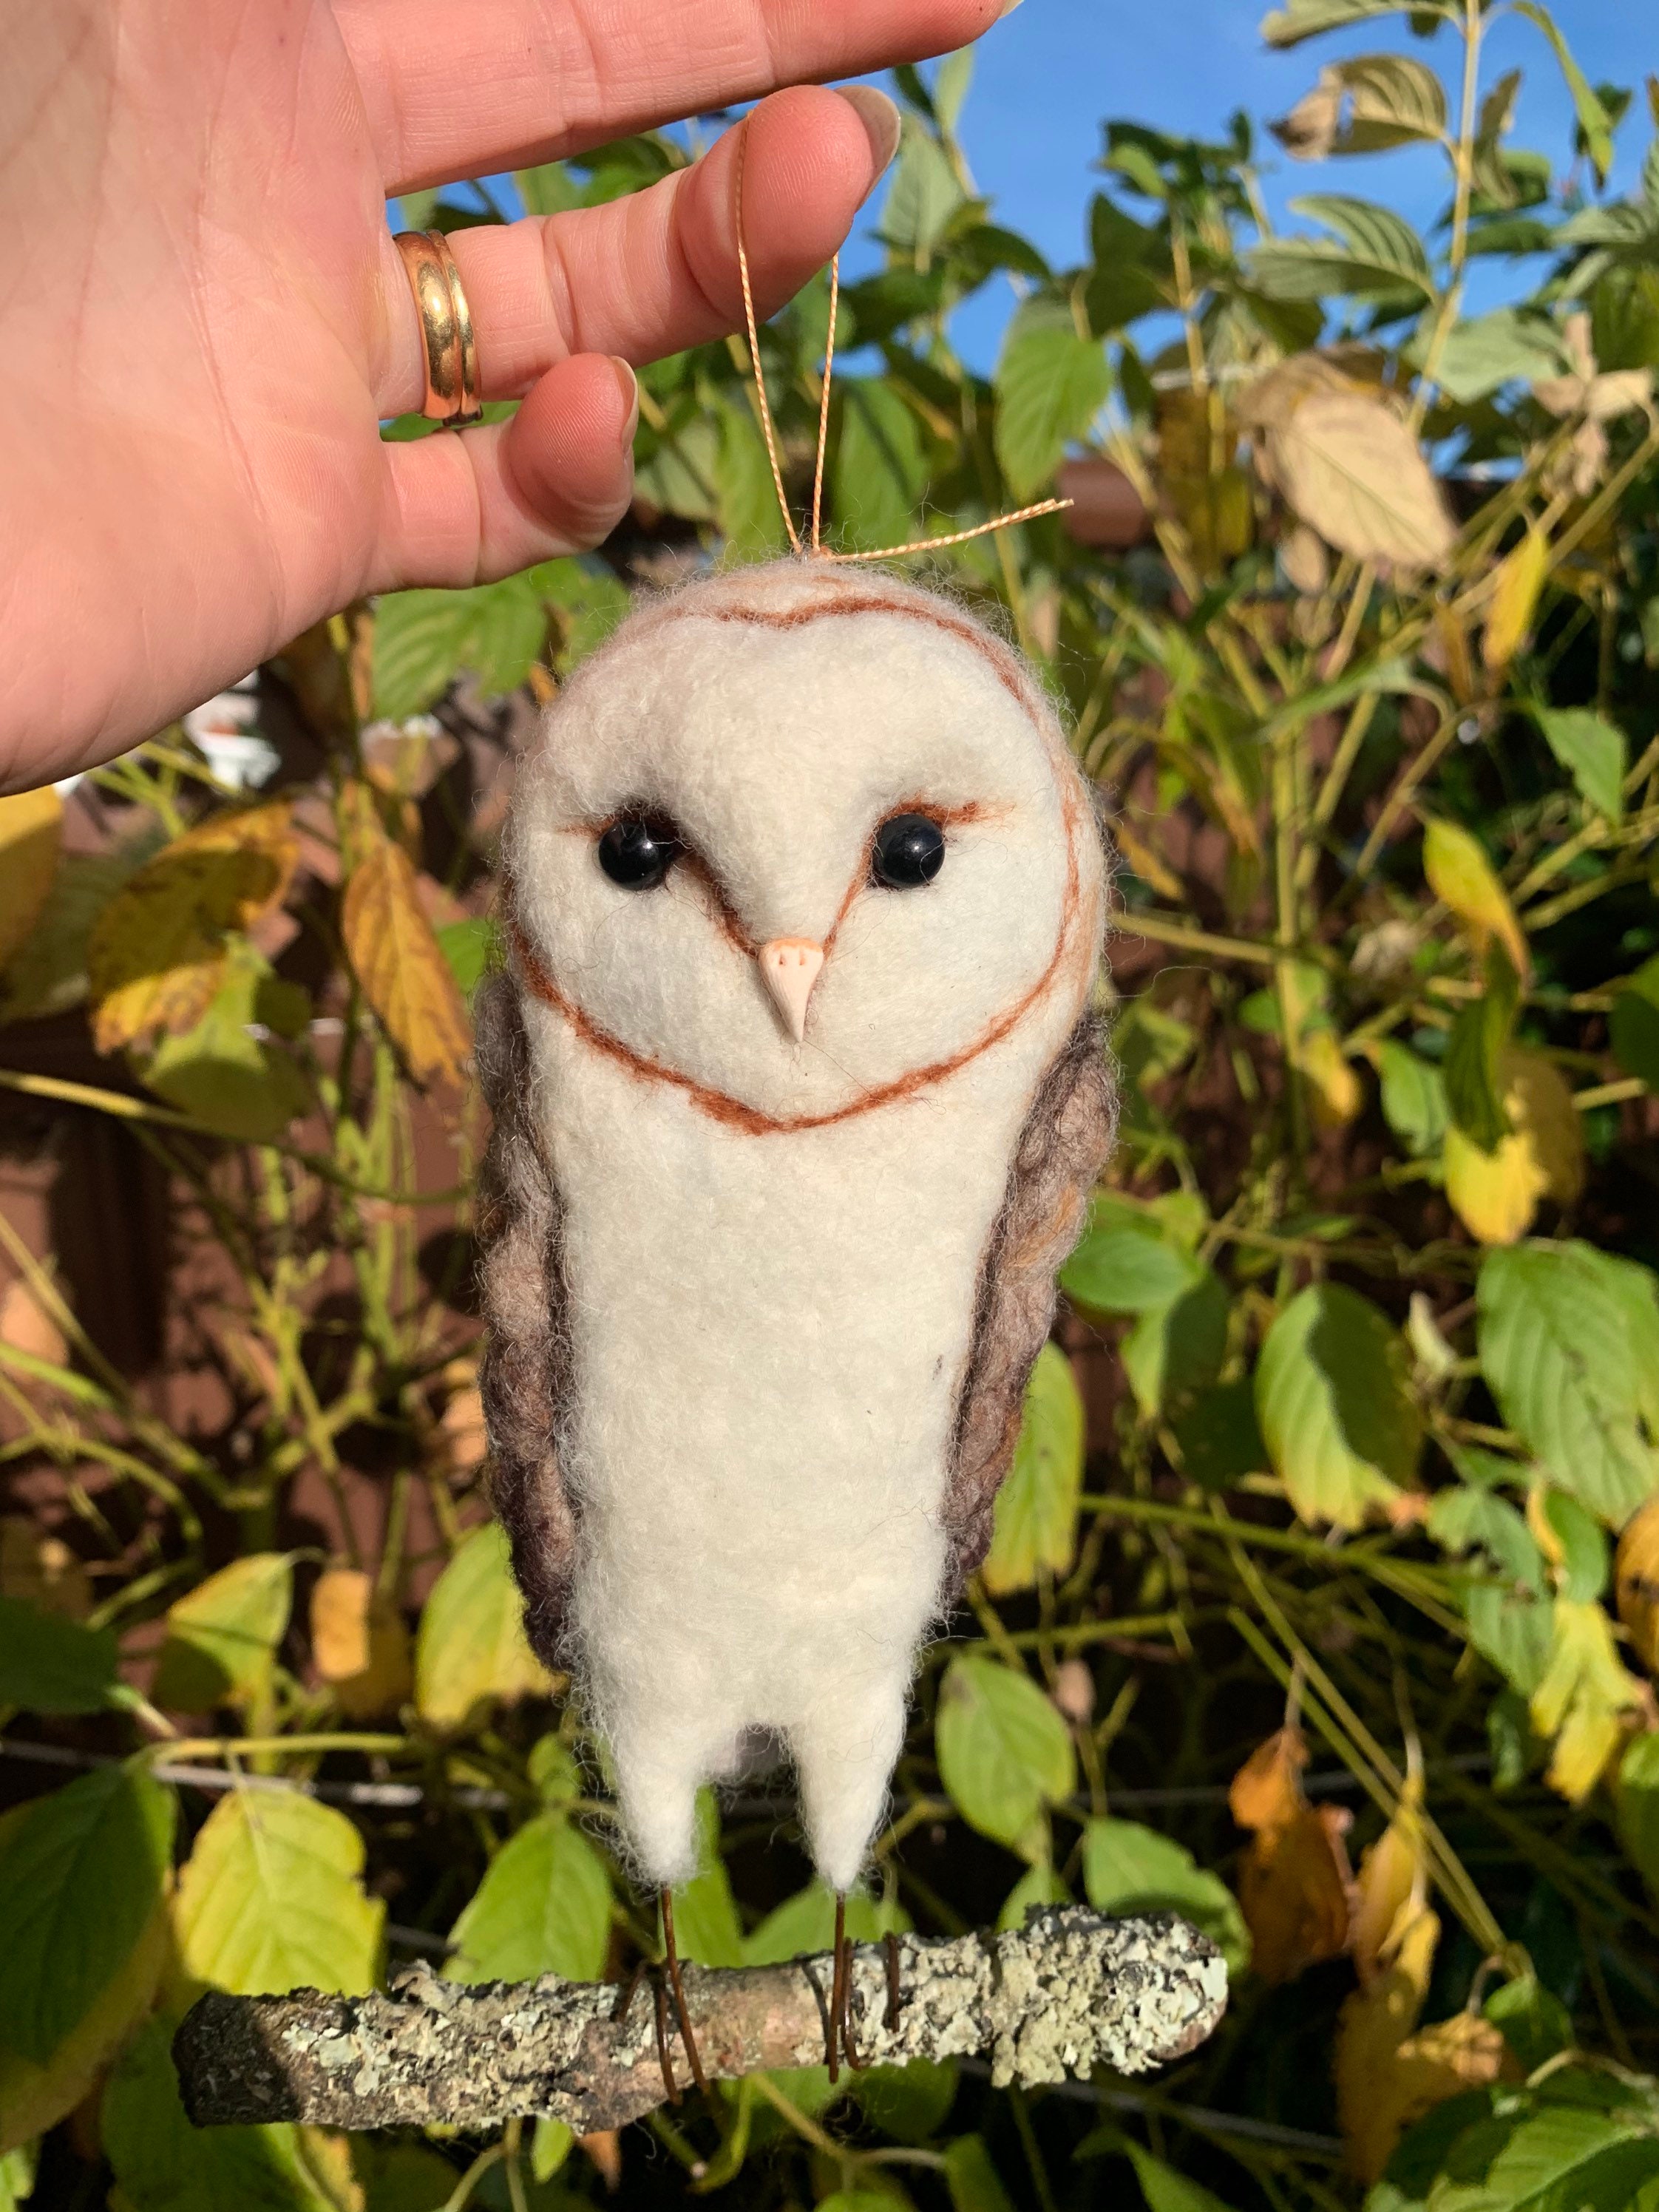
(772, 1251)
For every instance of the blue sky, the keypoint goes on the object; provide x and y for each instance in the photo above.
(1049, 73)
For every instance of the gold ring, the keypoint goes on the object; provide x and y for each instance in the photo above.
(452, 346)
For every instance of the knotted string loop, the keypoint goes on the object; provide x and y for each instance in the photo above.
(817, 548)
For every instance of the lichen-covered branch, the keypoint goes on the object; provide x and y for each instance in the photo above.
(1066, 1993)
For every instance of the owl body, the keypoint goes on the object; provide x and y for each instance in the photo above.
(763, 1302)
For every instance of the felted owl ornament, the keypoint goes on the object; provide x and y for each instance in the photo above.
(798, 1099)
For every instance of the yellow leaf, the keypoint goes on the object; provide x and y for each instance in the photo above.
(1294, 1887)
(1373, 2024)
(400, 963)
(1497, 1195)
(35, 2098)
(359, 1644)
(1333, 1086)
(1461, 877)
(31, 829)
(222, 1636)
(272, 1899)
(1583, 1698)
(1636, 1582)
(26, 1326)
(1351, 469)
(1392, 1875)
(157, 953)
(1516, 584)
(1146, 862)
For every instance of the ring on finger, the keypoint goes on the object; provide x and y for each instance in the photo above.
(451, 343)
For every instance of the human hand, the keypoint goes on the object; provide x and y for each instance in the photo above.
(205, 320)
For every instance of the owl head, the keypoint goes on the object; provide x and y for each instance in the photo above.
(799, 839)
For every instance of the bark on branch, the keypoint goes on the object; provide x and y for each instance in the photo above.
(1066, 1993)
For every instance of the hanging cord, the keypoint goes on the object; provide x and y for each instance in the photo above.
(768, 430)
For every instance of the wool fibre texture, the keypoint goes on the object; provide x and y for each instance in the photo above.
(763, 1311)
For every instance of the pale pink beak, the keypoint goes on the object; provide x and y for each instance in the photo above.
(790, 966)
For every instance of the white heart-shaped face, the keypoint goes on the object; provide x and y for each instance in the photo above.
(775, 720)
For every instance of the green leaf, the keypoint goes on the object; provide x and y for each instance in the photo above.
(910, 2103)
(924, 195)
(1636, 1798)
(1220, 1435)
(1333, 1397)
(472, 949)
(746, 506)
(1474, 1056)
(543, 1907)
(81, 1873)
(706, 1924)
(1565, 2157)
(1038, 1885)
(1635, 1025)
(950, 82)
(1380, 257)
(589, 601)
(223, 1072)
(1534, 2024)
(163, 2164)
(1036, 1522)
(1593, 117)
(1556, 1349)
(972, 2179)
(1173, 1351)
(881, 468)
(1127, 1869)
(1593, 753)
(1051, 383)
(1509, 346)
(1164, 2189)
(1004, 1751)
(1414, 1097)
(49, 1664)
(470, 1650)
(272, 1899)
(424, 639)
(550, 2146)
(805, 1922)
(1127, 1262)
(222, 1636)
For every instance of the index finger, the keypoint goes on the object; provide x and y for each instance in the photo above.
(468, 87)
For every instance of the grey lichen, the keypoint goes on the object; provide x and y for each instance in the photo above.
(1066, 1993)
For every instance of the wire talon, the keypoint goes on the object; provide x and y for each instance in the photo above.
(672, 1957)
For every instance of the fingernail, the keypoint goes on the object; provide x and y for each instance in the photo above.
(1007, 8)
(880, 119)
(629, 385)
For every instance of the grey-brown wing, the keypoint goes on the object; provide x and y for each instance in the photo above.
(524, 1376)
(1063, 1147)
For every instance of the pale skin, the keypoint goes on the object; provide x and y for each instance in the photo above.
(204, 320)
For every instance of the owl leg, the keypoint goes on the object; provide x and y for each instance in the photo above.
(844, 1754)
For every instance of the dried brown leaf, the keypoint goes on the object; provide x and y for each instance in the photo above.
(1350, 468)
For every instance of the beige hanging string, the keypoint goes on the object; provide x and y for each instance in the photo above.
(816, 547)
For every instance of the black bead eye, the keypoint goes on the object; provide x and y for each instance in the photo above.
(910, 851)
(637, 852)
